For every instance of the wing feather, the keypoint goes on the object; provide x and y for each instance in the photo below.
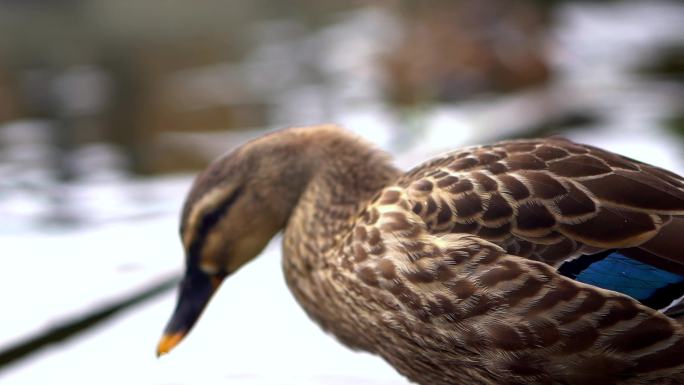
(552, 197)
(460, 293)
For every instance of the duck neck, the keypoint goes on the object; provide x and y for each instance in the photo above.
(346, 173)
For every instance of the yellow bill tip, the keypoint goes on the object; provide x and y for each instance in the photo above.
(168, 342)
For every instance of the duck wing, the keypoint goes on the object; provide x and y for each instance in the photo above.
(597, 217)
(443, 302)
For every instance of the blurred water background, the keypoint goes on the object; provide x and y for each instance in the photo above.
(107, 108)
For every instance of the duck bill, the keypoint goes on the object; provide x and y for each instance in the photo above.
(196, 289)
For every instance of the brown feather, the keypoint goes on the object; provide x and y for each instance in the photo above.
(449, 271)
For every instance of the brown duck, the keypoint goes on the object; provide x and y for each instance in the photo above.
(522, 262)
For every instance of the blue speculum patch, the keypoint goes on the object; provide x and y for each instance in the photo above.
(652, 286)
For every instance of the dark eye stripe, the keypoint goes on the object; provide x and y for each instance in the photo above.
(210, 220)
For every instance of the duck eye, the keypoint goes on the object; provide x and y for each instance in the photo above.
(212, 217)
(197, 238)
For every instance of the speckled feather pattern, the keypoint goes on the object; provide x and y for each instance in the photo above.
(545, 200)
(449, 271)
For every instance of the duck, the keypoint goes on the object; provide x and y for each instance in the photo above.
(536, 261)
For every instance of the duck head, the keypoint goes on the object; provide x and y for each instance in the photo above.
(232, 211)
